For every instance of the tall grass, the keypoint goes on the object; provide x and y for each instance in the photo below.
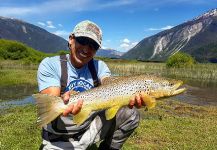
(206, 72)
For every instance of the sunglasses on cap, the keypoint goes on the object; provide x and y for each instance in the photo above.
(87, 41)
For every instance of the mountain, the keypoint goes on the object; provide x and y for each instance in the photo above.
(110, 53)
(197, 37)
(31, 35)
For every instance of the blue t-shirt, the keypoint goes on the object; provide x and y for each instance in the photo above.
(49, 74)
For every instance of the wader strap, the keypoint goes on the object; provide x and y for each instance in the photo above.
(64, 73)
(92, 69)
(63, 83)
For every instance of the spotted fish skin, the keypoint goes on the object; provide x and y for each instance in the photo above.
(111, 96)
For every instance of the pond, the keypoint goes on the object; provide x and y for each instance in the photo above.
(198, 93)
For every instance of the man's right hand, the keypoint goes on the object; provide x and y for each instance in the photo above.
(72, 108)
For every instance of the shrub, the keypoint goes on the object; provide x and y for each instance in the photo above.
(180, 60)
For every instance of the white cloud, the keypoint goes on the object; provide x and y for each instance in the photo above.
(50, 24)
(126, 40)
(41, 23)
(159, 29)
(60, 25)
(126, 44)
(64, 34)
(52, 6)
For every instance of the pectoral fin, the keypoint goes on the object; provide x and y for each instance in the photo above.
(149, 101)
(111, 112)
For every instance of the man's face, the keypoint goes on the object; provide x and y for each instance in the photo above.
(82, 50)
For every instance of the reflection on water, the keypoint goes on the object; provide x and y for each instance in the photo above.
(199, 93)
(17, 91)
(27, 100)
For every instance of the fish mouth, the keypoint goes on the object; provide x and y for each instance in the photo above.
(175, 90)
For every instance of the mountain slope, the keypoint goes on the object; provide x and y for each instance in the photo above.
(31, 35)
(110, 53)
(197, 37)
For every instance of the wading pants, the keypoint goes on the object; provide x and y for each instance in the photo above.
(112, 132)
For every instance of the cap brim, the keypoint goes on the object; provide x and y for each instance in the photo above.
(87, 35)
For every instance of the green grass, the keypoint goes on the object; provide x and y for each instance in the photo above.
(174, 125)
(18, 129)
(17, 76)
(170, 125)
(199, 72)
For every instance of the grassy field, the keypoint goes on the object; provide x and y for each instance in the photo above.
(171, 125)
(200, 72)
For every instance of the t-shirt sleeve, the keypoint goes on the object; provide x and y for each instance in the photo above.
(103, 70)
(48, 74)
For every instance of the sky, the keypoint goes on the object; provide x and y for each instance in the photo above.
(124, 23)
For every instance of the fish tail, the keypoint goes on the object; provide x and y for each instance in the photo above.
(48, 107)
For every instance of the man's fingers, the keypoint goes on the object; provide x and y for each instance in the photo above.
(132, 102)
(77, 107)
(68, 110)
(66, 97)
(138, 101)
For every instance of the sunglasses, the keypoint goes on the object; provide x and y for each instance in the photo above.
(87, 41)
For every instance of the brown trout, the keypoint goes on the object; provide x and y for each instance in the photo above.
(111, 96)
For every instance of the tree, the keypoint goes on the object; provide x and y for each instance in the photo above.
(180, 60)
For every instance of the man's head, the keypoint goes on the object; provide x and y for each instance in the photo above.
(84, 41)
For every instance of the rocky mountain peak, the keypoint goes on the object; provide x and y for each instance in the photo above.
(211, 13)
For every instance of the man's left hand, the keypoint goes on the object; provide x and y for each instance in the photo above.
(137, 100)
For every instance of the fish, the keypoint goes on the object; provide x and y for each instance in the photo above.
(110, 96)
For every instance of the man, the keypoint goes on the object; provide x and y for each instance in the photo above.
(79, 75)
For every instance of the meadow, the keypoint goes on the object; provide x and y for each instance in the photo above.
(170, 125)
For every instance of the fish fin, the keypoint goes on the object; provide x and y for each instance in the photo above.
(111, 112)
(48, 107)
(82, 115)
(149, 101)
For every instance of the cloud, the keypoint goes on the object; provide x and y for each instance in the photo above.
(126, 44)
(57, 6)
(41, 23)
(126, 41)
(52, 6)
(64, 34)
(50, 24)
(60, 25)
(159, 29)
(47, 24)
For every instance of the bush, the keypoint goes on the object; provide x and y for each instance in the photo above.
(14, 50)
(180, 60)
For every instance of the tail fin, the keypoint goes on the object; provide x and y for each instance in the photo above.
(48, 107)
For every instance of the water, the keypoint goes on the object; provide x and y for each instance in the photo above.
(17, 91)
(198, 93)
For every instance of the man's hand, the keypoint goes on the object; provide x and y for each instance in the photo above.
(72, 108)
(137, 100)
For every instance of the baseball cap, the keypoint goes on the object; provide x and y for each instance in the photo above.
(88, 29)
